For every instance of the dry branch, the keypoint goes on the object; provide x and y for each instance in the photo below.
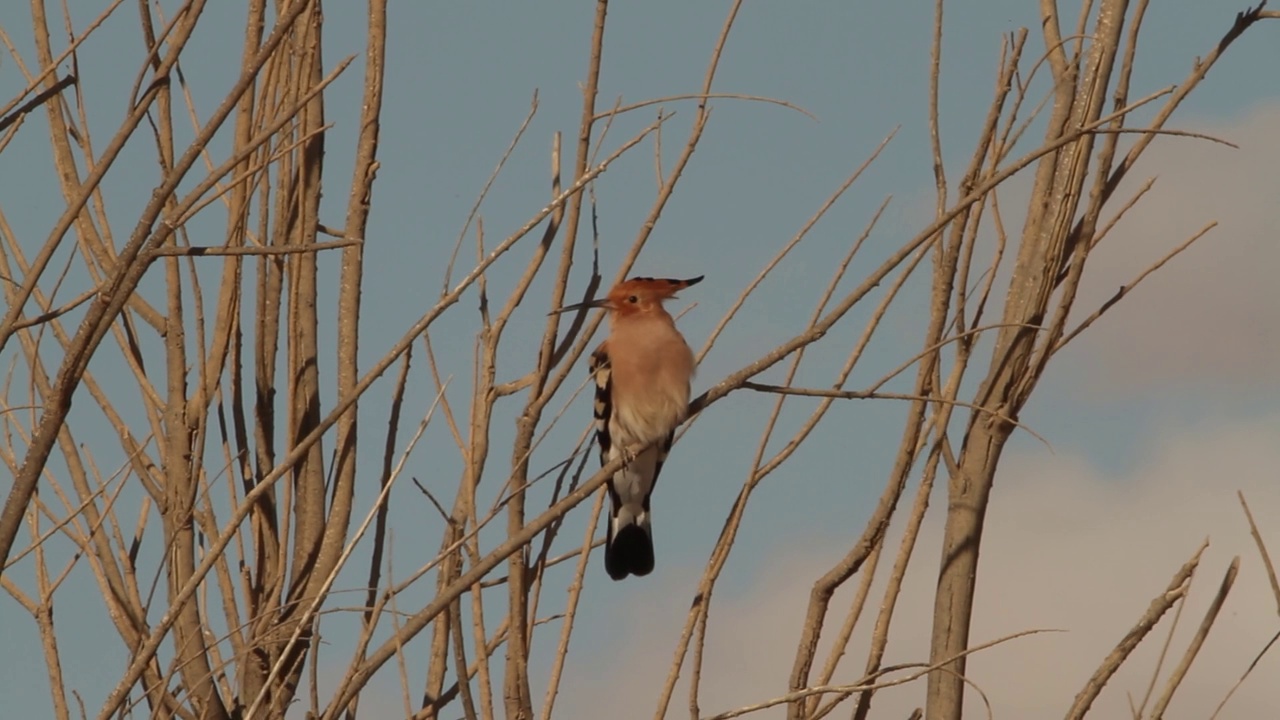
(1175, 592)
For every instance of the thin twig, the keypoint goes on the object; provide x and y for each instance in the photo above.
(223, 250)
(44, 96)
(1175, 591)
(1129, 287)
(1262, 550)
(870, 395)
(322, 594)
(1240, 681)
(870, 683)
(705, 96)
(484, 191)
(1180, 672)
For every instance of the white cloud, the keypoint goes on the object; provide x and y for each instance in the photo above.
(1213, 313)
(1065, 548)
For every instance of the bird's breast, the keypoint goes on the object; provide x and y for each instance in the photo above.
(651, 375)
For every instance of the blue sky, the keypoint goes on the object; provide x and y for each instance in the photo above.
(460, 79)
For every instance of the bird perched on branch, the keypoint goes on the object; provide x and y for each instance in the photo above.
(642, 373)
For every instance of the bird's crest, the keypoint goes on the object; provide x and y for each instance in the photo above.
(637, 295)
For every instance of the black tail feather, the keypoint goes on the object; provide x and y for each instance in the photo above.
(629, 553)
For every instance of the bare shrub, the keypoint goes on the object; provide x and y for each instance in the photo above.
(218, 542)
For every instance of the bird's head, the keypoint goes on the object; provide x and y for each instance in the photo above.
(637, 296)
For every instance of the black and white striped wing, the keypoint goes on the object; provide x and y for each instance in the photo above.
(602, 373)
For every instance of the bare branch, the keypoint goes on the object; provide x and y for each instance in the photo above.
(872, 682)
(1176, 590)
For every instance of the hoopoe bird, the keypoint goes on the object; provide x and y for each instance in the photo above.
(642, 373)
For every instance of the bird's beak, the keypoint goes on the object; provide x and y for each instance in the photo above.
(597, 303)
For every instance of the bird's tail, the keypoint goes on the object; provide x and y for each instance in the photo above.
(628, 548)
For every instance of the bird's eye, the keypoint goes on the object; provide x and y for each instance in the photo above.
(633, 299)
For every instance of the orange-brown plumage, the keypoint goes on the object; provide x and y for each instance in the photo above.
(643, 372)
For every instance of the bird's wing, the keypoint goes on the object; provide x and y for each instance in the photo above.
(603, 374)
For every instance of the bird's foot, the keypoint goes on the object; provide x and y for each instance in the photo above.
(628, 456)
